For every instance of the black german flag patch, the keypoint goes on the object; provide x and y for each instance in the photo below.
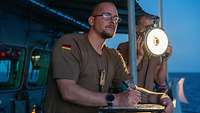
(66, 47)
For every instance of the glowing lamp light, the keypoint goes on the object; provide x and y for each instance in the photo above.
(156, 41)
(36, 57)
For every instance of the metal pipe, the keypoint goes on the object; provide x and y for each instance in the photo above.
(132, 40)
(160, 8)
(58, 13)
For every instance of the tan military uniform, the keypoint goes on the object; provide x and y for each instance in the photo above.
(147, 71)
(74, 58)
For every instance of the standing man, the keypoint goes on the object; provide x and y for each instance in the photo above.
(83, 68)
(151, 69)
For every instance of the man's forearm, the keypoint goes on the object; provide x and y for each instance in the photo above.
(162, 74)
(72, 92)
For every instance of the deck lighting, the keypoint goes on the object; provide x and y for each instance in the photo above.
(156, 41)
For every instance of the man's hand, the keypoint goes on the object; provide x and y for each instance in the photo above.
(166, 101)
(140, 50)
(168, 53)
(129, 98)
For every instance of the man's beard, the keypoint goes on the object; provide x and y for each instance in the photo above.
(103, 33)
(106, 35)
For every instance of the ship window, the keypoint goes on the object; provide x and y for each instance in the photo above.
(4, 70)
(38, 68)
(33, 73)
(11, 66)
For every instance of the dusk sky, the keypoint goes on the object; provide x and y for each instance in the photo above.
(182, 25)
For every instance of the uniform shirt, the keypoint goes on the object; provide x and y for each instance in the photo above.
(74, 58)
(147, 71)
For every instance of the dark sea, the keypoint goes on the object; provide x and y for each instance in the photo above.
(191, 90)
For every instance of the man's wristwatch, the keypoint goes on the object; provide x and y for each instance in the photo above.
(109, 98)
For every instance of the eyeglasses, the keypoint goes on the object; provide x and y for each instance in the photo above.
(108, 16)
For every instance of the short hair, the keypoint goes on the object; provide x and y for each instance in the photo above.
(96, 8)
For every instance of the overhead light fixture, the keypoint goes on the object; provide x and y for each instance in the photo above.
(156, 41)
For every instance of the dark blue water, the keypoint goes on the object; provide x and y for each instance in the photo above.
(191, 89)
